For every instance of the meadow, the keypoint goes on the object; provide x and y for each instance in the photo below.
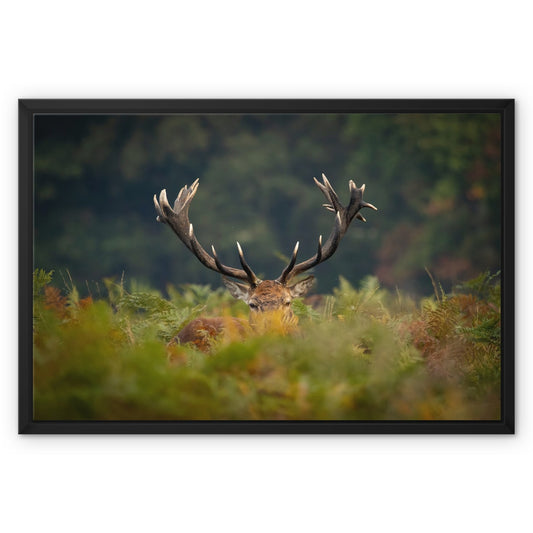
(362, 353)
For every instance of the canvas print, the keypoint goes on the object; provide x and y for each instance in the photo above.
(341, 266)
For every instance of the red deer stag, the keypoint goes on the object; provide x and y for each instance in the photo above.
(265, 298)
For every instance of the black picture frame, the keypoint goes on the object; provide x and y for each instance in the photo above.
(29, 108)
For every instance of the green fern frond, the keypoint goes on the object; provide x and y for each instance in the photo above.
(41, 278)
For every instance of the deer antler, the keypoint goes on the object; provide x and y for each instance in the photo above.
(178, 219)
(343, 218)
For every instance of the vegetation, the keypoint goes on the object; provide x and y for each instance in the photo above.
(434, 177)
(363, 353)
(375, 350)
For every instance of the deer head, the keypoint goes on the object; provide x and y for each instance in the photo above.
(269, 295)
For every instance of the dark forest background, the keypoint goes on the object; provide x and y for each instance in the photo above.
(434, 177)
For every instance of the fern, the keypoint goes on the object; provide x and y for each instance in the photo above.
(41, 278)
(367, 301)
(367, 354)
(303, 311)
(485, 286)
(148, 310)
(487, 331)
(442, 321)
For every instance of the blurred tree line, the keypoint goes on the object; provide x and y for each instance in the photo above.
(434, 177)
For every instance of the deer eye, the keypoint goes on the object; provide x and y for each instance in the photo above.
(287, 303)
(253, 307)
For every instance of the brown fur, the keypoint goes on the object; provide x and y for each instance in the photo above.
(201, 332)
(270, 310)
(270, 295)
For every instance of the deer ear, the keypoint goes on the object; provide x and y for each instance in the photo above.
(301, 287)
(241, 291)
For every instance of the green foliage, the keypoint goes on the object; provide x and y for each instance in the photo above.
(142, 310)
(486, 286)
(303, 311)
(41, 278)
(434, 177)
(362, 354)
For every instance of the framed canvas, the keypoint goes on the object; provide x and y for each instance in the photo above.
(392, 313)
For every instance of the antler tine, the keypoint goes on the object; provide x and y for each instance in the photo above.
(221, 269)
(178, 220)
(356, 199)
(366, 204)
(158, 210)
(329, 193)
(254, 280)
(343, 218)
(189, 191)
(290, 266)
